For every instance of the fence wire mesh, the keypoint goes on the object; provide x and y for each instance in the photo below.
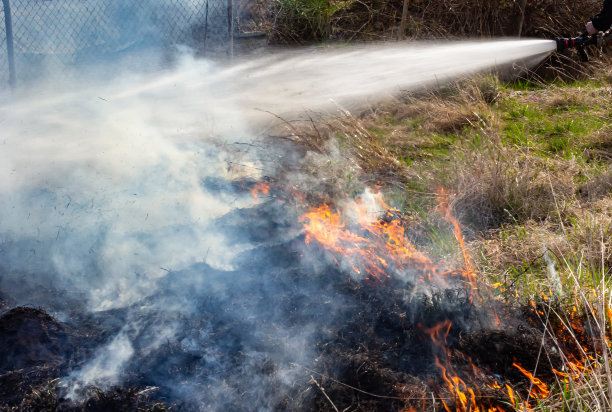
(58, 33)
(4, 65)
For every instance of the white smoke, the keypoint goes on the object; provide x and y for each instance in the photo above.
(105, 369)
(106, 181)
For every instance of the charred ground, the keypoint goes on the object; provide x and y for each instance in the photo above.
(369, 349)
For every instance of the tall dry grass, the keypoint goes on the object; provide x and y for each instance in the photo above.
(578, 320)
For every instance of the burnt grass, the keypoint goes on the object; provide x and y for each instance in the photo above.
(379, 359)
(375, 356)
(367, 348)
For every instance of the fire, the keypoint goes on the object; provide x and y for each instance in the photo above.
(539, 389)
(260, 187)
(511, 396)
(469, 272)
(373, 246)
(328, 228)
(575, 370)
(465, 398)
(445, 208)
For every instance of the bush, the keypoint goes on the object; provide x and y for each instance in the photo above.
(304, 20)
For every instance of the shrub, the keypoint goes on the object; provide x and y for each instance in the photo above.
(303, 20)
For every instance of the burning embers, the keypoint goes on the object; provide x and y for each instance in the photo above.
(368, 238)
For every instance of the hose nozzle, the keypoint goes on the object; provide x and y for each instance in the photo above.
(578, 43)
(565, 43)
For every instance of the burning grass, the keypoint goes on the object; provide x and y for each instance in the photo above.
(528, 171)
(414, 333)
(465, 385)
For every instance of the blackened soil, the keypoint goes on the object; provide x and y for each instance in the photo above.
(30, 337)
(36, 350)
(380, 359)
(368, 347)
(386, 361)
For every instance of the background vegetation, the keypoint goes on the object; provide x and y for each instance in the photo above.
(308, 20)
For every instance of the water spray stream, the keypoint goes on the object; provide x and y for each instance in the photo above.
(298, 81)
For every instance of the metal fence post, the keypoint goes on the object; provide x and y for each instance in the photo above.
(230, 28)
(402, 29)
(520, 28)
(10, 51)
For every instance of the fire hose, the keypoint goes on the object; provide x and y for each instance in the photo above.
(600, 40)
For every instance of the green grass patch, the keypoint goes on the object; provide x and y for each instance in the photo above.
(523, 85)
(558, 130)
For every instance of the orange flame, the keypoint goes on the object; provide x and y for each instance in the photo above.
(465, 398)
(511, 395)
(470, 271)
(374, 246)
(445, 208)
(260, 187)
(540, 389)
(369, 243)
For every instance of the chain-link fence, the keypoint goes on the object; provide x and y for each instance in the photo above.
(54, 34)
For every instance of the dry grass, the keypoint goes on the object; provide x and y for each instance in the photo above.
(587, 330)
(526, 246)
(501, 184)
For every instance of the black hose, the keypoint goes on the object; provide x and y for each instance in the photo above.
(577, 42)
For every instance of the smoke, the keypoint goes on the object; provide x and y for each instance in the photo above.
(106, 366)
(124, 199)
(91, 178)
